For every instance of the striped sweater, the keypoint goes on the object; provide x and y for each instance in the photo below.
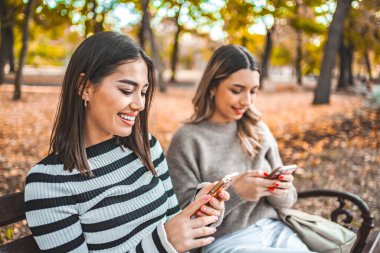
(122, 208)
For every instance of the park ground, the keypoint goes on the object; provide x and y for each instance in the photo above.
(336, 145)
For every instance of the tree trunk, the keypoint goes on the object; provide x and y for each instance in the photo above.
(12, 68)
(87, 23)
(323, 89)
(174, 58)
(299, 57)
(351, 50)
(368, 64)
(145, 24)
(344, 75)
(157, 62)
(5, 36)
(266, 55)
(24, 49)
(93, 21)
(147, 32)
(90, 25)
(299, 45)
(244, 40)
(98, 27)
(4, 50)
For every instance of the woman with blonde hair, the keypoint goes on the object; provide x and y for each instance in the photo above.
(224, 135)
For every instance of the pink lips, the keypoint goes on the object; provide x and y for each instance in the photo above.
(128, 122)
(238, 111)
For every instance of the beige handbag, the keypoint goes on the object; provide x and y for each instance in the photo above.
(319, 234)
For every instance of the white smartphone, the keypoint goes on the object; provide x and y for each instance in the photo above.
(224, 183)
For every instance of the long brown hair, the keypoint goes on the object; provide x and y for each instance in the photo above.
(97, 57)
(225, 61)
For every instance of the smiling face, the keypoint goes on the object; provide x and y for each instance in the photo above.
(234, 95)
(115, 102)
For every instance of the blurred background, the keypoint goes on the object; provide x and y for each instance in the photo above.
(320, 87)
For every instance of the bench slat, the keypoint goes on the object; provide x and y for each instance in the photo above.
(12, 208)
(23, 245)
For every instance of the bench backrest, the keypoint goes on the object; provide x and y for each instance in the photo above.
(12, 209)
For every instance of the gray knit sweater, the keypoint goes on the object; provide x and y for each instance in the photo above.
(206, 152)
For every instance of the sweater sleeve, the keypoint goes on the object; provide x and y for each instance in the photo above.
(52, 217)
(274, 159)
(184, 169)
(173, 207)
(163, 174)
(156, 242)
(234, 201)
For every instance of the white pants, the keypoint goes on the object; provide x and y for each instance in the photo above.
(266, 236)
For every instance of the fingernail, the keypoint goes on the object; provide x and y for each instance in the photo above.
(281, 177)
(265, 174)
(203, 208)
(270, 189)
(216, 218)
(221, 194)
(212, 239)
(276, 184)
(199, 213)
(207, 197)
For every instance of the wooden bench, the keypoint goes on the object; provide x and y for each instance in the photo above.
(12, 209)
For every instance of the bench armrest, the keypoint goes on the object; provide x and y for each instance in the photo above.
(367, 219)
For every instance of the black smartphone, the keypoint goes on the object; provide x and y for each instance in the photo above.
(281, 170)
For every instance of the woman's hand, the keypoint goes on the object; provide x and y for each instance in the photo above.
(215, 205)
(183, 232)
(283, 184)
(252, 185)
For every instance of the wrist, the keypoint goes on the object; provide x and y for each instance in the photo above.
(236, 187)
(164, 238)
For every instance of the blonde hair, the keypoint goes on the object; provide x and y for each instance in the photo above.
(225, 61)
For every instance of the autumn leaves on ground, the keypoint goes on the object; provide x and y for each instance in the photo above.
(337, 145)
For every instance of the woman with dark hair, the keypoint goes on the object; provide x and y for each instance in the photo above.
(225, 135)
(105, 186)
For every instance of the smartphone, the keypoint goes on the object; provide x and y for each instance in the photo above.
(224, 183)
(281, 170)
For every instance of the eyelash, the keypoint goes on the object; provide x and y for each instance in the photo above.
(127, 92)
(238, 92)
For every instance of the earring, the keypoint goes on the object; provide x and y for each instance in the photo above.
(85, 103)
